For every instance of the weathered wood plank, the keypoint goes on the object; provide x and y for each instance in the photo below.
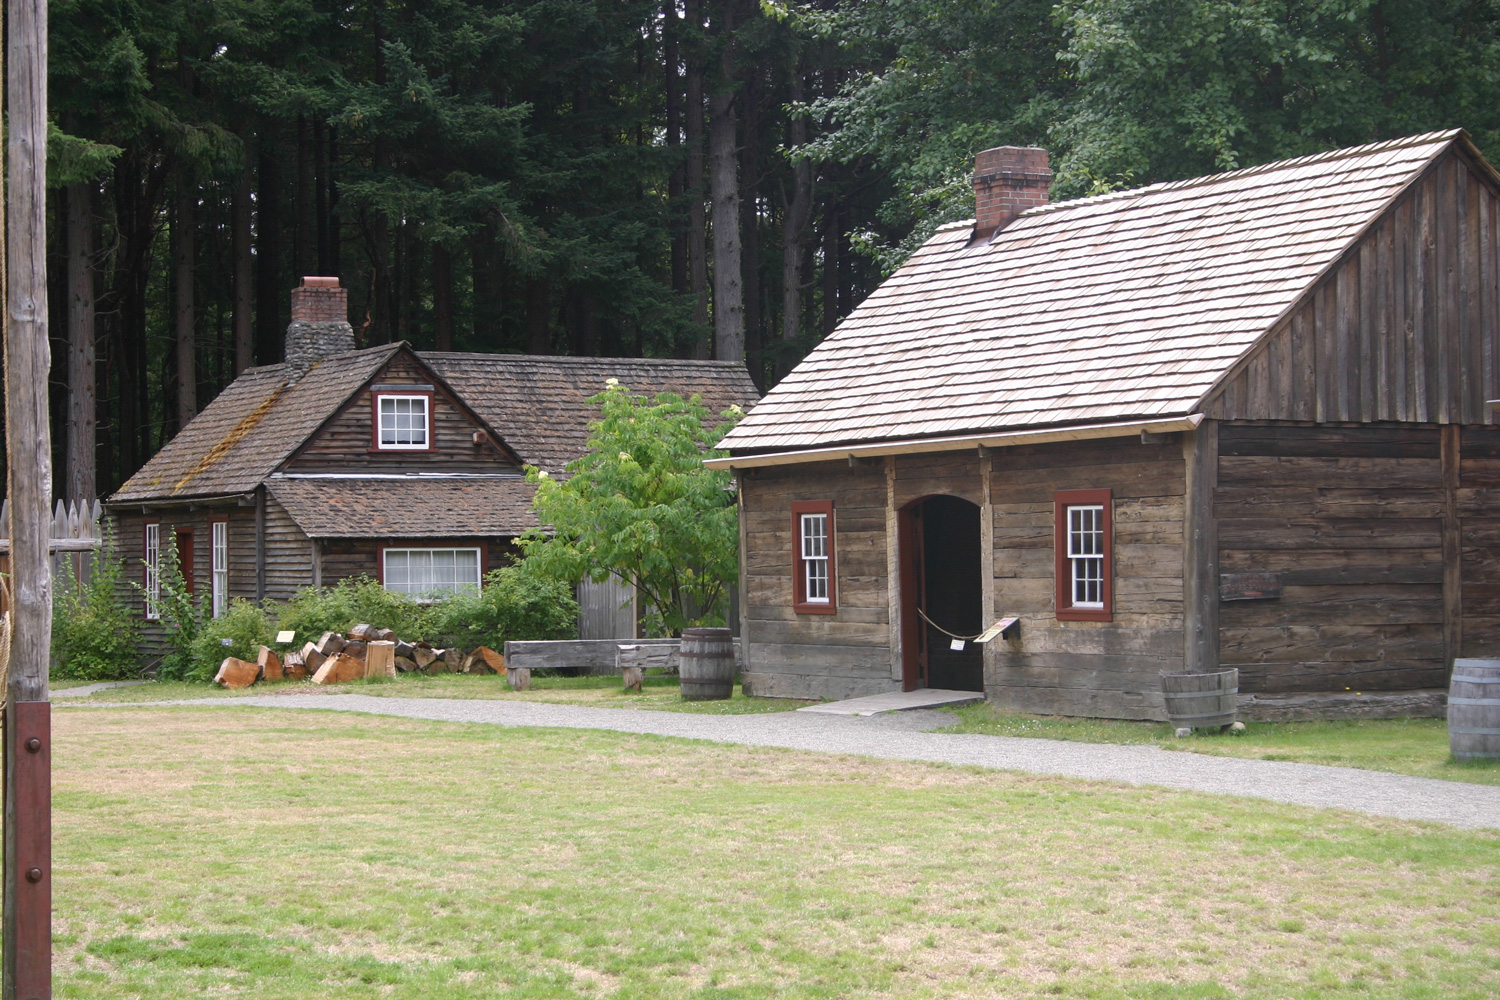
(1452, 544)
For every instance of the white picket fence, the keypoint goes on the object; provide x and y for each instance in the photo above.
(76, 530)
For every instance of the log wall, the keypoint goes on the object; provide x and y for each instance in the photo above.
(1103, 669)
(842, 655)
(1477, 504)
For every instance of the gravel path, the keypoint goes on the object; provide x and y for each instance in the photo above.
(904, 736)
(84, 690)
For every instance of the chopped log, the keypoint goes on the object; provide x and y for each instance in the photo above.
(380, 660)
(270, 664)
(438, 667)
(307, 648)
(236, 673)
(340, 669)
(355, 648)
(385, 634)
(406, 664)
(362, 633)
(520, 678)
(495, 661)
(314, 660)
(634, 678)
(294, 667)
(330, 643)
(405, 649)
(424, 656)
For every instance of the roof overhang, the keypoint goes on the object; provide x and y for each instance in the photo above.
(993, 439)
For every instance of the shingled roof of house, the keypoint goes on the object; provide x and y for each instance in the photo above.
(406, 506)
(540, 404)
(1126, 306)
(251, 428)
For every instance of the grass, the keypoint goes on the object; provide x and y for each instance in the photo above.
(1404, 746)
(660, 693)
(258, 854)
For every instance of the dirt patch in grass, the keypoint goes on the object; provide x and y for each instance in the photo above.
(254, 854)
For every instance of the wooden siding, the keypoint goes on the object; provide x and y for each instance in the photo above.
(1478, 508)
(1105, 669)
(289, 554)
(1401, 329)
(1352, 518)
(349, 558)
(345, 442)
(841, 655)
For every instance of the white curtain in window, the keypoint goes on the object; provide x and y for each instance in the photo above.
(431, 571)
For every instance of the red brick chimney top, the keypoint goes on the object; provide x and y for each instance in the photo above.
(320, 300)
(1007, 181)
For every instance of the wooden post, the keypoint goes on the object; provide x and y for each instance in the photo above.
(28, 445)
(989, 651)
(1200, 563)
(1453, 627)
(893, 567)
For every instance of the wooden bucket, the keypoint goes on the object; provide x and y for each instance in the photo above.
(706, 664)
(1201, 700)
(1474, 710)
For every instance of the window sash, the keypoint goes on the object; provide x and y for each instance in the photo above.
(220, 562)
(403, 423)
(152, 560)
(429, 572)
(814, 543)
(1086, 555)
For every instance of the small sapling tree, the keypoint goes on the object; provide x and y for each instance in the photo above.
(641, 505)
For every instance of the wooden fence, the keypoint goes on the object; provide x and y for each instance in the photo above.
(77, 529)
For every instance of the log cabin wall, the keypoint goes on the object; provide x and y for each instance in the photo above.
(346, 441)
(1089, 668)
(288, 553)
(1352, 518)
(350, 558)
(1477, 505)
(791, 655)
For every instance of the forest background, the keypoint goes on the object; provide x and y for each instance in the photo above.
(689, 178)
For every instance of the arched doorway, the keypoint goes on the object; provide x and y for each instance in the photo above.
(941, 592)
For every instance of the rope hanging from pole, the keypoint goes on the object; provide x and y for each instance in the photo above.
(951, 635)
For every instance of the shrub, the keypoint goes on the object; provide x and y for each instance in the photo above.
(314, 610)
(94, 632)
(515, 603)
(245, 625)
(181, 617)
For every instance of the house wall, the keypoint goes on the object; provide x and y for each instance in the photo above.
(790, 655)
(1102, 669)
(348, 558)
(288, 553)
(346, 442)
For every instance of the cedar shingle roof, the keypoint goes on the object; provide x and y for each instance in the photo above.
(539, 404)
(1124, 306)
(250, 428)
(406, 507)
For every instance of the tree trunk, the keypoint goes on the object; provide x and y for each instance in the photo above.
(830, 264)
(671, 58)
(240, 238)
(729, 297)
(183, 225)
(750, 179)
(538, 318)
(484, 287)
(333, 264)
(442, 297)
(306, 249)
(82, 405)
(382, 298)
(697, 218)
(270, 334)
(794, 222)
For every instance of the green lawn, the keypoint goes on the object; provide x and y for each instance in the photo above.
(261, 854)
(1404, 746)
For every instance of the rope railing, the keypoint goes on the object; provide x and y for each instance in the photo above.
(951, 635)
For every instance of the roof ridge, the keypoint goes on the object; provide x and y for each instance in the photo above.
(572, 358)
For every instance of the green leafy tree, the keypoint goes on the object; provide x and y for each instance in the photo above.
(640, 504)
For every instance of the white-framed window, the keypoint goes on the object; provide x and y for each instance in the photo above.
(219, 546)
(814, 533)
(431, 572)
(151, 557)
(1086, 555)
(402, 422)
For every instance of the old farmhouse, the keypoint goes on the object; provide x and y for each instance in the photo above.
(1236, 420)
(402, 465)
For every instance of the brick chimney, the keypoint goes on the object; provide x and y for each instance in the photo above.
(320, 324)
(1007, 181)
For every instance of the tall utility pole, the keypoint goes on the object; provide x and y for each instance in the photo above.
(28, 450)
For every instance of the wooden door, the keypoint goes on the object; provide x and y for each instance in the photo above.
(185, 556)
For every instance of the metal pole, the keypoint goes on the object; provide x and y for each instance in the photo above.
(28, 448)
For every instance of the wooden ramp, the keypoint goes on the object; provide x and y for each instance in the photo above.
(896, 701)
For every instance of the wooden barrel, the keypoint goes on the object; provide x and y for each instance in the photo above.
(706, 664)
(1202, 700)
(1474, 710)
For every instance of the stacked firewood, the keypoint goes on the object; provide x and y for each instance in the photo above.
(365, 652)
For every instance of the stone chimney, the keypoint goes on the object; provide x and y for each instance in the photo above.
(1007, 181)
(320, 324)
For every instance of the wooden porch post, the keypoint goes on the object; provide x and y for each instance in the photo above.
(893, 567)
(1200, 561)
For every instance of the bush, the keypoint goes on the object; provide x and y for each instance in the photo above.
(313, 610)
(515, 603)
(94, 632)
(246, 626)
(181, 617)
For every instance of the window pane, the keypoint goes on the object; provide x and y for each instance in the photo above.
(403, 421)
(814, 557)
(427, 571)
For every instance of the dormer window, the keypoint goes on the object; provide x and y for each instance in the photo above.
(403, 421)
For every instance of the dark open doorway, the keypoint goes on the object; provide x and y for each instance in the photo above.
(941, 579)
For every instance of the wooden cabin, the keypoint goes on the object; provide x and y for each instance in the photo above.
(404, 466)
(1237, 420)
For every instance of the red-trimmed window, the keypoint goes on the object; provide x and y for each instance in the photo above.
(814, 583)
(151, 559)
(219, 566)
(403, 421)
(1085, 554)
